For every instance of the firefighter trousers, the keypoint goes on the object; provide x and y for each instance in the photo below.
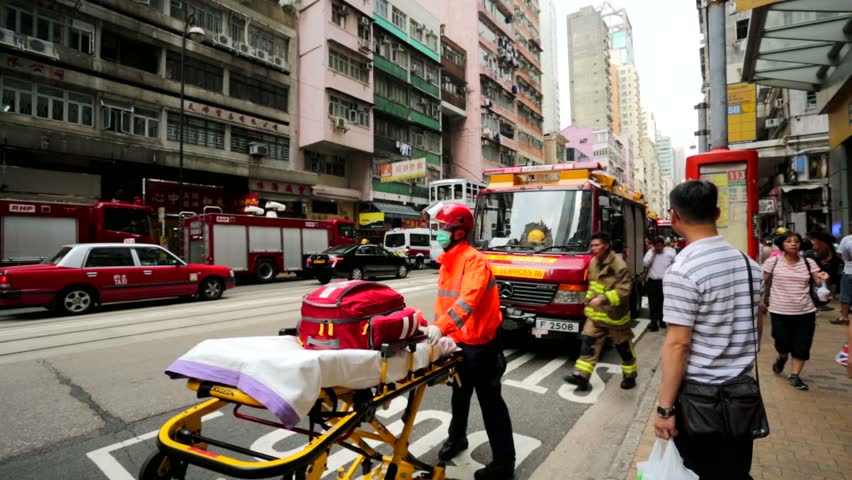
(482, 371)
(592, 341)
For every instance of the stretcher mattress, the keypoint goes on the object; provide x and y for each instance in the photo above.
(286, 378)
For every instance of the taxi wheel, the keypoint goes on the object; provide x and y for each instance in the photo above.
(75, 301)
(402, 271)
(211, 289)
(265, 271)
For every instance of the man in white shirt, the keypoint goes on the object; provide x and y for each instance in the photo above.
(845, 251)
(657, 260)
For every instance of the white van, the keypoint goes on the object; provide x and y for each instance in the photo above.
(418, 244)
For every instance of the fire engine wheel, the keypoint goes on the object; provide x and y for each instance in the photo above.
(211, 289)
(75, 301)
(265, 271)
(356, 274)
(402, 271)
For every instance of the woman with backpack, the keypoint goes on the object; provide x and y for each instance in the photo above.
(789, 280)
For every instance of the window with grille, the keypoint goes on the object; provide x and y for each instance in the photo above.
(47, 102)
(129, 119)
(353, 111)
(399, 18)
(242, 138)
(381, 7)
(200, 132)
(348, 66)
(199, 73)
(259, 92)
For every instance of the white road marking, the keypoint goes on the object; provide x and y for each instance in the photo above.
(531, 382)
(111, 467)
(518, 362)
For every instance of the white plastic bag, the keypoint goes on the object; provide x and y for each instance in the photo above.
(664, 466)
(823, 293)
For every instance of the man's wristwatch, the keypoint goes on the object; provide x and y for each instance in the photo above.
(664, 412)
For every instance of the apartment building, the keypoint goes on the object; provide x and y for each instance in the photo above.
(336, 124)
(528, 78)
(590, 81)
(408, 108)
(91, 90)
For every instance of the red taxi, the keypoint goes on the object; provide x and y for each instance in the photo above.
(84, 275)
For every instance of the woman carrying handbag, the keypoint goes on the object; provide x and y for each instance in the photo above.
(790, 280)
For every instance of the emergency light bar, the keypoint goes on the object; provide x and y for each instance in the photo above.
(545, 168)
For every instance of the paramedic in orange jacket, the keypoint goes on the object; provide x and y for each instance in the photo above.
(468, 310)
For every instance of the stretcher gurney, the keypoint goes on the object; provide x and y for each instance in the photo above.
(340, 416)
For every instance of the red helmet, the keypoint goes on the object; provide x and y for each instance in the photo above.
(455, 215)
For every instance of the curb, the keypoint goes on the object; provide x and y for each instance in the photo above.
(603, 442)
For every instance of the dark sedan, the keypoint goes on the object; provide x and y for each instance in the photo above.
(356, 262)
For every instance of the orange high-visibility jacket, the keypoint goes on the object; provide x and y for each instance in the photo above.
(468, 305)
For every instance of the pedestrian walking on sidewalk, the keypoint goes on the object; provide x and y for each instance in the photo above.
(468, 310)
(607, 315)
(713, 330)
(657, 260)
(788, 300)
(845, 252)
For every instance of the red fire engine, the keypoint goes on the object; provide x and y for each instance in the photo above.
(260, 246)
(535, 225)
(31, 231)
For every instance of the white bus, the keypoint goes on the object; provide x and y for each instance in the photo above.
(455, 190)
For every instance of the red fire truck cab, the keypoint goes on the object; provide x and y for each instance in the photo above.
(534, 225)
(261, 247)
(31, 231)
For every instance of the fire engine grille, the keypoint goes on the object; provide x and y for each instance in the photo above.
(530, 293)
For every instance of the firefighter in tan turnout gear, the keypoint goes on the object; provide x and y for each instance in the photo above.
(607, 315)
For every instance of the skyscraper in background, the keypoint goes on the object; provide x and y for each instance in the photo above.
(550, 80)
(589, 70)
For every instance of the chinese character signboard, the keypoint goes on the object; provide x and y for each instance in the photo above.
(407, 170)
(160, 193)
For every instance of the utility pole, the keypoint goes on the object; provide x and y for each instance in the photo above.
(718, 74)
(702, 132)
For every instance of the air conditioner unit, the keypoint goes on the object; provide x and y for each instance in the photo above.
(365, 20)
(10, 38)
(245, 49)
(487, 132)
(261, 55)
(772, 122)
(779, 102)
(339, 122)
(364, 45)
(279, 61)
(258, 149)
(369, 66)
(224, 41)
(41, 47)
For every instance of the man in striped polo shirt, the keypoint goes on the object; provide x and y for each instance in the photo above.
(712, 321)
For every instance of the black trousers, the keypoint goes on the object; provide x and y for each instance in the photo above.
(715, 457)
(655, 300)
(482, 371)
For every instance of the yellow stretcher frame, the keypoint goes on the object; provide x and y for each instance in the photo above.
(180, 442)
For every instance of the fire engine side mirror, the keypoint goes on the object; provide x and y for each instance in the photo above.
(603, 202)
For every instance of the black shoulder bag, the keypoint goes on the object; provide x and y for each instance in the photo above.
(732, 409)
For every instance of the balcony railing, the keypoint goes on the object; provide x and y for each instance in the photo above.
(454, 99)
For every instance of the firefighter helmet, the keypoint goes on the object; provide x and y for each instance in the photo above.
(455, 215)
(535, 236)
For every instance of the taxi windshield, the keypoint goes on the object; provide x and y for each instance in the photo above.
(556, 220)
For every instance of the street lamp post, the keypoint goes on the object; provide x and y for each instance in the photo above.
(196, 34)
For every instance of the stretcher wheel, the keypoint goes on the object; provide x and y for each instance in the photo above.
(159, 467)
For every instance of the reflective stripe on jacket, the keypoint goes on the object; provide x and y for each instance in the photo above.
(468, 306)
(610, 278)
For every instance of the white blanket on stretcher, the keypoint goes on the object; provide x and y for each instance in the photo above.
(286, 378)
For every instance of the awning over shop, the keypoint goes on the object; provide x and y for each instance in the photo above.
(337, 193)
(798, 44)
(806, 186)
(394, 210)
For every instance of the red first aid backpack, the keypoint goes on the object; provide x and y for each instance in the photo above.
(355, 314)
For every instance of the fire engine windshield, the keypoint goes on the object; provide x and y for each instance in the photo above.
(126, 220)
(346, 230)
(554, 220)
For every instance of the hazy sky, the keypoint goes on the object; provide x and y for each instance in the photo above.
(666, 39)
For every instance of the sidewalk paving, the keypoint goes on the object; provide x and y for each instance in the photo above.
(811, 431)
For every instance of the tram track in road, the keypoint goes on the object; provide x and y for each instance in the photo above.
(60, 333)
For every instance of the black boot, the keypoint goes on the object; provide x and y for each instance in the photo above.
(628, 382)
(653, 327)
(582, 383)
(451, 449)
(496, 471)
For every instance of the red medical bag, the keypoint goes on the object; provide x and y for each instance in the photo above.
(338, 316)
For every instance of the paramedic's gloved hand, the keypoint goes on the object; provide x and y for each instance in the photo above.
(433, 332)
